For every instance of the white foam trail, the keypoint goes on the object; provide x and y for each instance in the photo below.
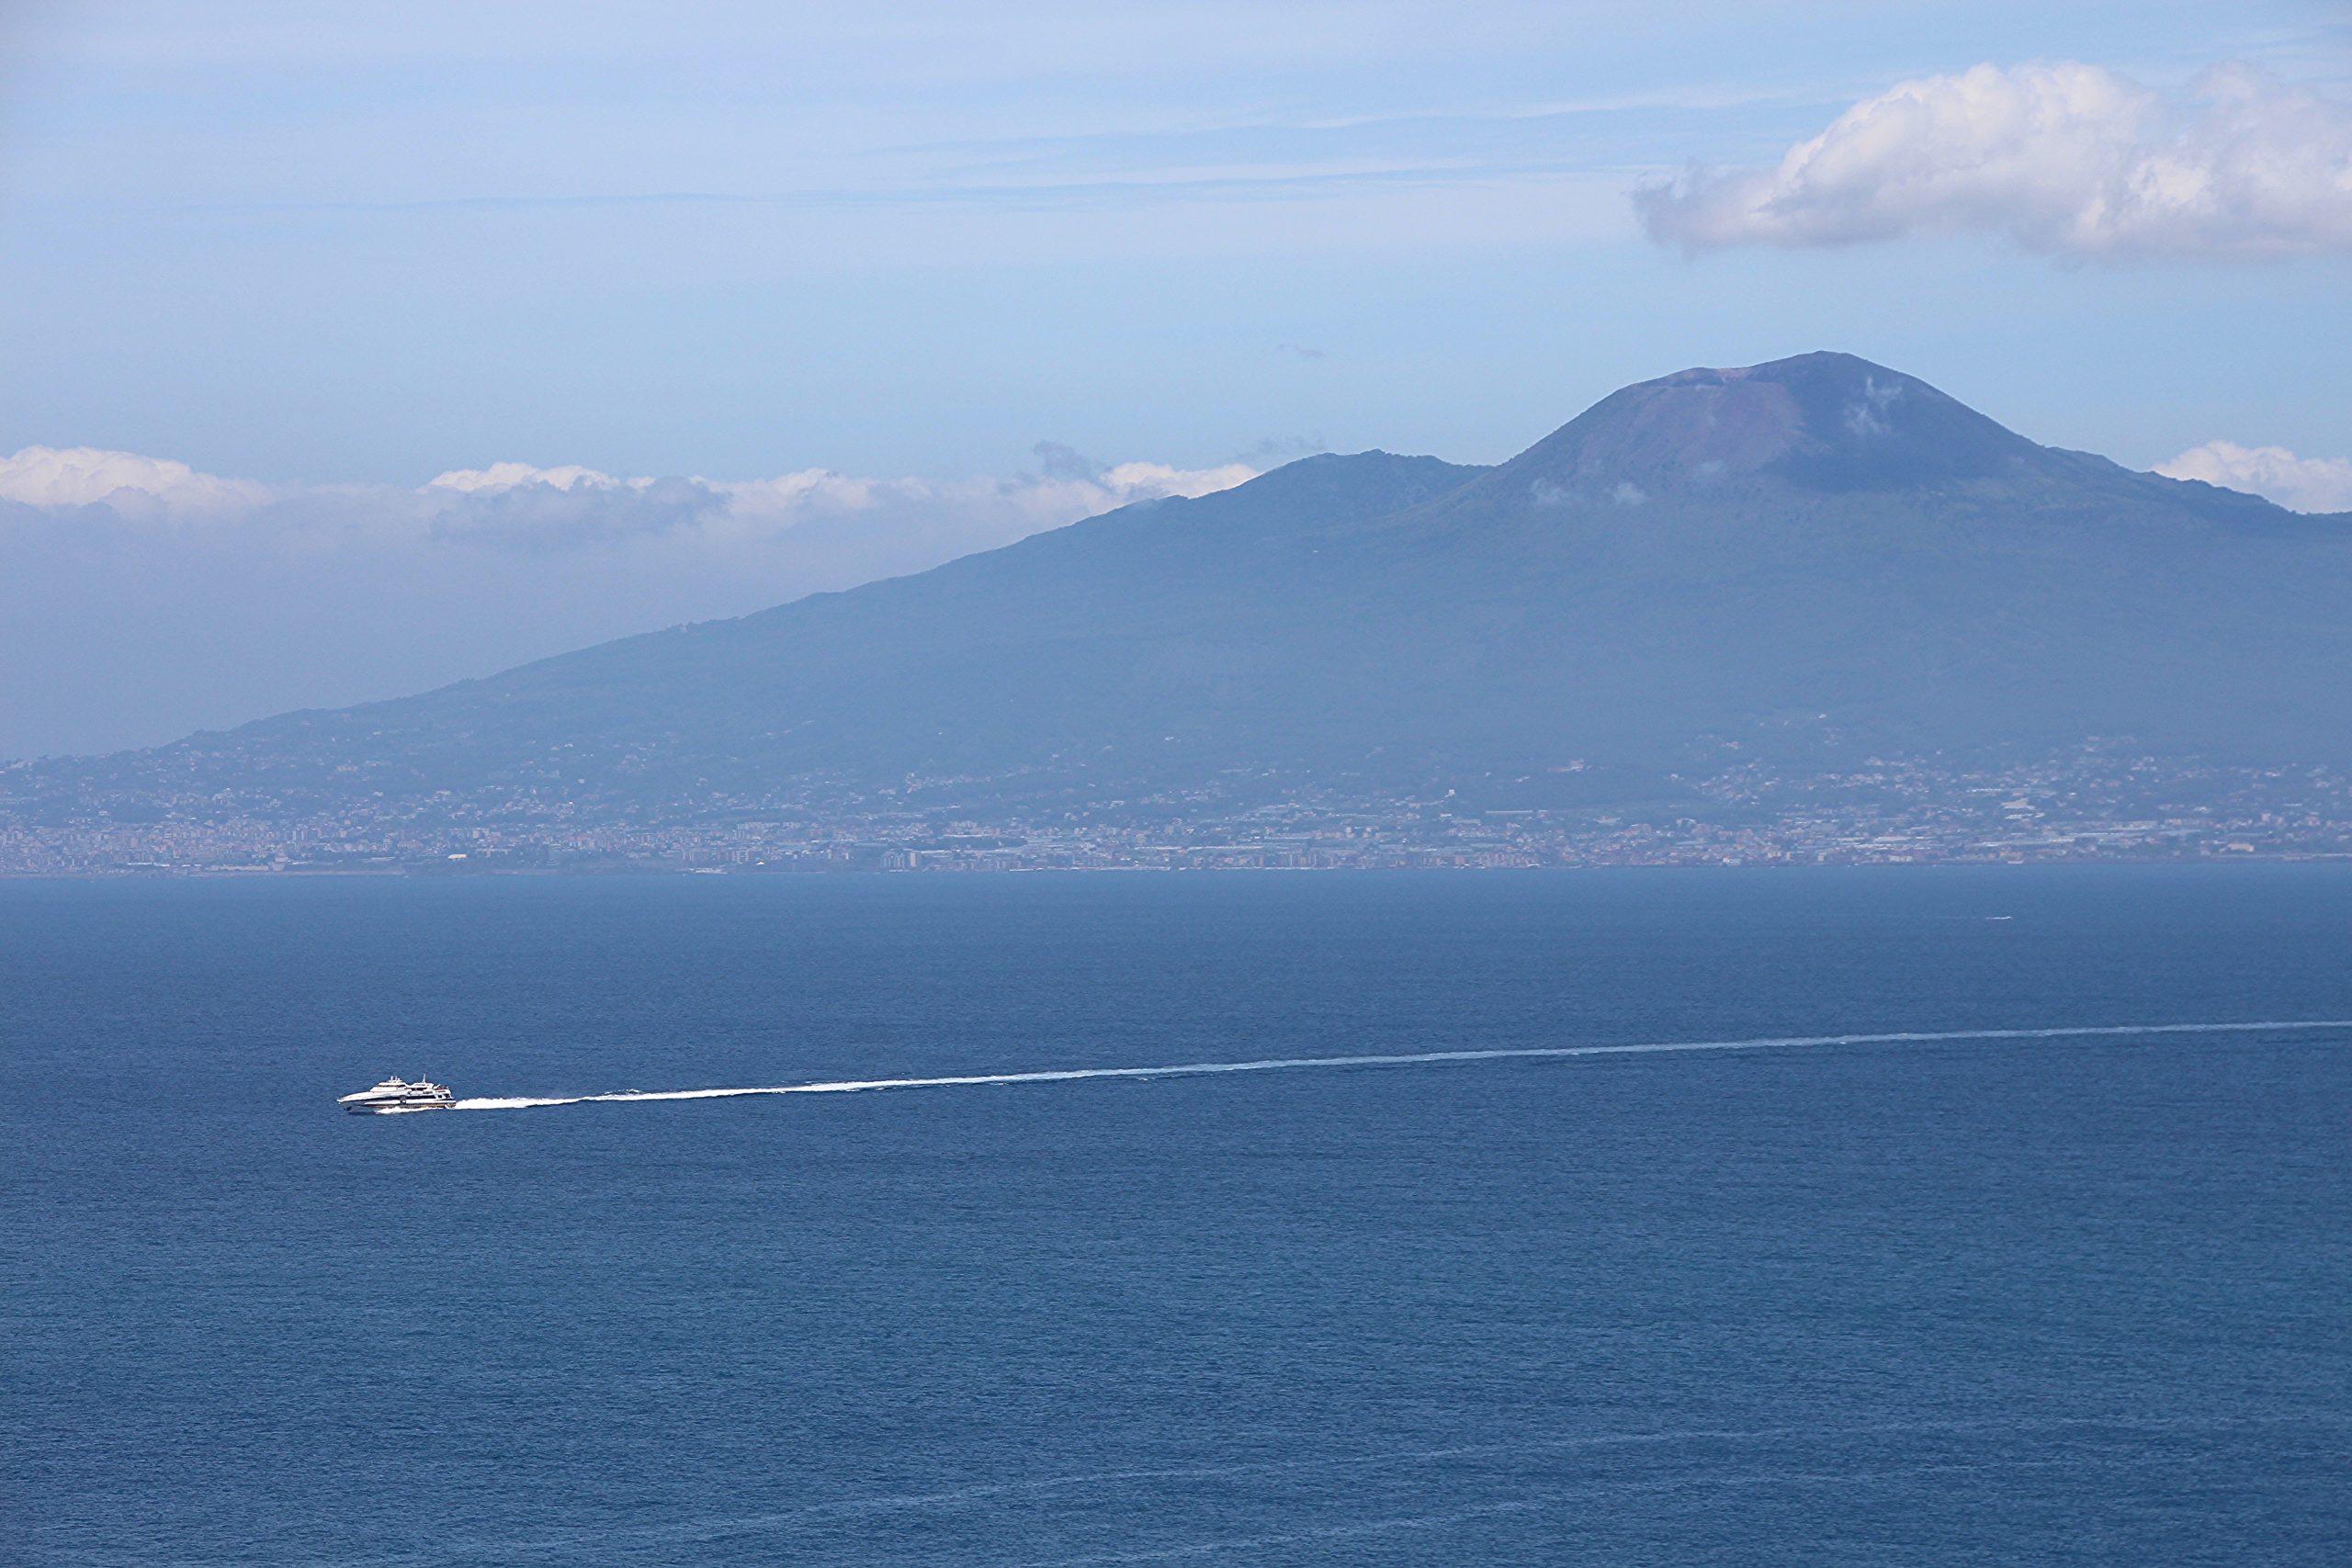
(1418, 1058)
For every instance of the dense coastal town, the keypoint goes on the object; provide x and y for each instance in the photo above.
(2096, 805)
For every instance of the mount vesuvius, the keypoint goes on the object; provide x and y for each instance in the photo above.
(1810, 561)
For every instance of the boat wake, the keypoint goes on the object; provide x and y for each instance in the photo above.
(1418, 1058)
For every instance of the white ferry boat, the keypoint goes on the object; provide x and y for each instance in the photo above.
(397, 1095)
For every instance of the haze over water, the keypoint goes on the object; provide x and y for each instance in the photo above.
(1939, 1303)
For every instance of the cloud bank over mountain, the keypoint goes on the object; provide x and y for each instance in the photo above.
(587, 501)
(2066, 159)
(2302, 484)
(142, 597)
(135, 486)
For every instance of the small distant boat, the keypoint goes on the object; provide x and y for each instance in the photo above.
(395, 1095)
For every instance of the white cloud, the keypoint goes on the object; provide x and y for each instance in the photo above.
(1139, 481)
(1072, 488)
(521, 500)
(142, 488)
(510, 476)
(2068, 159)
(1059, 496)
(298, 596)
(2303, 484)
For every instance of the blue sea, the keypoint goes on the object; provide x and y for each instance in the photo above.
(2058, 1300)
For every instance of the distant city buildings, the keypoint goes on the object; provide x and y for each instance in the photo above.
(2097, 803)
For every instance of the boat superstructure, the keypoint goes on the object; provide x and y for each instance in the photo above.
(395, 1095)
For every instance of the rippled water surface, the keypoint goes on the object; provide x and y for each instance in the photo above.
(2063, 1299)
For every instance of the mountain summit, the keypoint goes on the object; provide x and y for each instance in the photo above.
(1808, 562)
(1818, 424)
(1821, 421)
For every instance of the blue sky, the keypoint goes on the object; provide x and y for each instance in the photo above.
(303, 246)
